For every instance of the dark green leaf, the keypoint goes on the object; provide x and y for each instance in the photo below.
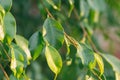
(108, 71)
(53, 59)
(113, 61)
(7, 4)
(70, 72)
(36, 44)
(10, 27)
(87, 56)
(53, 33)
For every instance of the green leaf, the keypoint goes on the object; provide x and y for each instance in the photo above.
(53, 33)
(10, 27)
(98, 5)
(100, 63)
(55, 4)
(12, 77)
(113, 61)
(71, 2)
(1, 33)
(7, 4)
(86, 55)
(53, 59)
(36, 44)
(18, 60)
(67, 45)
(84, 9)
(23, 43)
(117, 76)
(2, 13)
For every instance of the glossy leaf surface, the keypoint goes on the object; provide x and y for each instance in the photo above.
(36, 44)
(53, 33)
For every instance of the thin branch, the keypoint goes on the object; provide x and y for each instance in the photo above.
(4, 72)
(76, 14)
(96, 75)
(72, 40)
(5, 51)
(89, 39)
(47, 10)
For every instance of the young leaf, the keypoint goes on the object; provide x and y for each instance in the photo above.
(86, 55)
(6, 4)
(10, 27)
(100, 63)
(18, 60)
(13, 61)
(2, 13)
(23, 43)
(53, 59)
(53, 33)
(117, 76)
(36, 44)
(113, 61)
(67, 45)
(1, 33)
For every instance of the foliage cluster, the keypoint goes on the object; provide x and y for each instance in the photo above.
(65, 42)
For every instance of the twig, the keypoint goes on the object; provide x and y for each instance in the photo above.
(96, 75)
(89, 39)
(76, 14)
(72, 40)
(49, 13)
(4, 72)
(47, 10)
(4, 50)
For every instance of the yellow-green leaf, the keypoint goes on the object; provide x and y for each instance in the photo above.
(71, 2)
(53, 59)
(100, 63)
(23, 43)
(13, 64)
(55, 4)
(2, 13)
(18, 60)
